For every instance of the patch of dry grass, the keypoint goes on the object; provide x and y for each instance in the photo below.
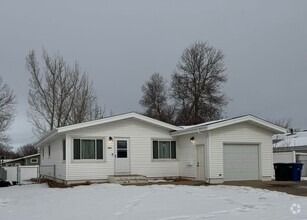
(53, 184)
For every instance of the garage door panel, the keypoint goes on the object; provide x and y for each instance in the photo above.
(241, 162)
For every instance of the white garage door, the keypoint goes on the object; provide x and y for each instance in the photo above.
(241, 162)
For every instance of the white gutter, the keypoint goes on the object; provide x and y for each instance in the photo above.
(188, 131)
(46, 138)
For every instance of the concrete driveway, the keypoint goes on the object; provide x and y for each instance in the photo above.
(298, 188)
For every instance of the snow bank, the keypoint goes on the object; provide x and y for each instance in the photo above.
(167, 202)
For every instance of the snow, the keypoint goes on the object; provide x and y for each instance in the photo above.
(164, 202)
(291, 140)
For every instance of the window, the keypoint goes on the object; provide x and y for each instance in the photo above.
(43, 151)
(64, 149)
(49, 151)
(88, 149)
(34, 160)
(164, 149)
(122, 149)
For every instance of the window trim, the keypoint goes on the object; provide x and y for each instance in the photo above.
(89, 160)
(163, 159)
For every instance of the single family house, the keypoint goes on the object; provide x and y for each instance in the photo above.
(225, 150)
(33, 159)
(291, 148)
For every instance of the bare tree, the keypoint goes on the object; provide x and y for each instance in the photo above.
(7, 110)
(7, 152)
(283, 122)
(26, 150)
(85, 107)
(196, 84)
(59, 95)
(155, 99)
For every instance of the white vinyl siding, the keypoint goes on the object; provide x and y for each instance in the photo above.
(187, 154)
(56, 158)
(284, 157)
(140, 136)
(242, 133)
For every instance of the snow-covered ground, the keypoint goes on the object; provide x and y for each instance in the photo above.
(109, 201)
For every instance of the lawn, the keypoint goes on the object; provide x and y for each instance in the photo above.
(110, 201)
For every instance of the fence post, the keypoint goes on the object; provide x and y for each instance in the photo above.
(18, 175)
(54, 172)
(38, 174)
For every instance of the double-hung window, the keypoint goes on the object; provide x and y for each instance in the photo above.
(88, 149)
(164, 149)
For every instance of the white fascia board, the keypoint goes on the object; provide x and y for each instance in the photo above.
(21, 158)
(156, 122)
(261, 122)
(188, 131)
(46, 138)
(247, 118)
(140, 117)
(118, 118)
(33, 155)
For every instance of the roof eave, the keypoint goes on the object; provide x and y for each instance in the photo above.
(189, 131)
(134, 115)
(46, 138)
(118, 118)
(247, 118)
(250, 118)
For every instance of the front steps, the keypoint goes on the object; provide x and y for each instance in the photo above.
(127, 179)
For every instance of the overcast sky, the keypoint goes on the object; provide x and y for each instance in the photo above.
(121, 43)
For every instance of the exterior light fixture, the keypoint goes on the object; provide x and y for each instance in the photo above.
(192, 140)
(110, 139)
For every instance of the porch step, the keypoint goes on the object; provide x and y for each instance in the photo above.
(127, 179)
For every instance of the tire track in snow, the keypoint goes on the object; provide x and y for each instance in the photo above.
(133, 203)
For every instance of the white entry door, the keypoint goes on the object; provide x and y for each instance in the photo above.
(200, 163)
(122, 163)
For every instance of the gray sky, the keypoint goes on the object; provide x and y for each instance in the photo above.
(121, 43)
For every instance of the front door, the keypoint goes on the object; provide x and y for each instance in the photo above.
(200, 169)
(122, 163)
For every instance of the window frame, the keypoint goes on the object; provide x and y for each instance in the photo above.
(49, 151)
(36, 160)
(170, 152)
(80, 148)
(64, 149)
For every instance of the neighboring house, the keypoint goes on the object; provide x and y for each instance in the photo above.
(224, 150)
(291, 148)
(33, 159)
(296, 141)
